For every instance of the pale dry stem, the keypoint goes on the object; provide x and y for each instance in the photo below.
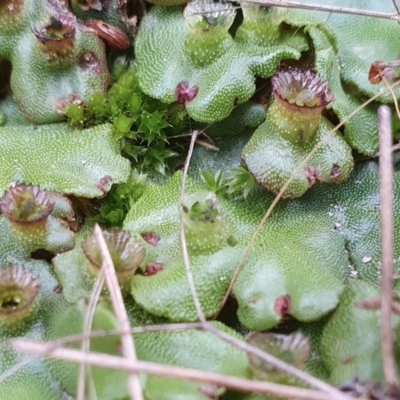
(396, 7)
(396, 104)
(101, 334)
(386, 192)
(206, 145)
(119, 363)
(326, 8)
(376, 304)
(182, 235)
(335, 394)
(140, 329)
(128, 348)
(87, 326)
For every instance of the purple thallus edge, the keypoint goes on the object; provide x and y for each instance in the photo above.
(184, 93)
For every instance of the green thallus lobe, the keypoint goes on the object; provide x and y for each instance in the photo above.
(208, 23)
(205, 227)
(260, 24)
(294, 127)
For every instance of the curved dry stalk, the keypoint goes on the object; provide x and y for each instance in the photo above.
(182, 235)
(335, 394)
(323, 8)
(330, 9)
(206, 145)
(282, 191)
(396, 7)
(396, 104)
(128, 347)
(100, 334)
(141, 329)
(386, 192)
(119, 363)
(376, 304)
(87, 326)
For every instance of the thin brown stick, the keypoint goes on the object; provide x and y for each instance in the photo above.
(282, 191)
(87, 326)
(396, 104)
(396, 307)
(99, 334)
(334, 393)
(376, 304)
(182, 235)
(330, 9)
(386, 174)
(128, 348)
(386, 191)
(206, 145)
(142, 329)
(396, 7)
(119, 363)
(396, 147)
(202, 132)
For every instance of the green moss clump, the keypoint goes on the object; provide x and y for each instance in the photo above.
(120, 199)
(141, 123)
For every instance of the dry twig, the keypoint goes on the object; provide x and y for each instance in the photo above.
(128, 347)
(87, 326)
(326, 8)
(396, 7)
(182, 235)
(376, 304)
(334, 393)
(386, 191)
(141, 329)
(396, 104)
(100, 334)
(119, 363)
